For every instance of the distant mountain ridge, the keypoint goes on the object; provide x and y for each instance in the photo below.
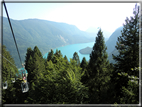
(42, 33)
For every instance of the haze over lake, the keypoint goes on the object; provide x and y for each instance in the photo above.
(70, 49)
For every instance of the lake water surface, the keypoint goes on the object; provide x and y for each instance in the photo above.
(70, 49)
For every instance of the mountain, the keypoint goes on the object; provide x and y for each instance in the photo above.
(95, 30)
(42, 33)
(111, 42)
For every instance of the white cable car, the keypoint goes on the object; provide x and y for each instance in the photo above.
(25, 87)
(5, 85)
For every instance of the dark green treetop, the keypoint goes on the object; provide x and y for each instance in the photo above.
(76, 58)
(128, 58)
(50, 55)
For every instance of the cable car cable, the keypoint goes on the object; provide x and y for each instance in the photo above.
(14, 40)
(12, 31)
(9, 61)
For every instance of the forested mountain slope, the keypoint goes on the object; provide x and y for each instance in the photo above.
(42, 33)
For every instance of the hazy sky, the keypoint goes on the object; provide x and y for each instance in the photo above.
(108, 16)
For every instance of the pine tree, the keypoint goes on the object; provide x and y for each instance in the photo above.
(37, 51)
(83, 64)
(29, 63)
(98, 70)
(128, 57)
(66, 59)
(76, 58)
(38, 63)
(50, 55)
(36, 67)
(128, 45)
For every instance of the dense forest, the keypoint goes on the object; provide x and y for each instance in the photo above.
(56, 80)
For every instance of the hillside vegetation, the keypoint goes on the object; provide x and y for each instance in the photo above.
(56, 80)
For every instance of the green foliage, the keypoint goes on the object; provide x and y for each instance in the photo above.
(76, 58)
(9, 71)
(128, 58)
(84, 65)
(56, 80)
(128, 55)
(50, 55)
(99, 72)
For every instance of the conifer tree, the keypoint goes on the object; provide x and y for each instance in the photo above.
(34, 64)
(36, 67)
(128, 57)
(29, 63)
(128, 45)
(83, 64)
(76, 58)
(98, 71)
(38, 62)
(60, 54)
(50, 55)
(37, 51)
(66, 59)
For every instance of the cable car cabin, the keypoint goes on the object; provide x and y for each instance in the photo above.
(5, 85)
(13, 80)
(25, 87)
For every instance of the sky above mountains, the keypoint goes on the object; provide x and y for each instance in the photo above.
(108, 16)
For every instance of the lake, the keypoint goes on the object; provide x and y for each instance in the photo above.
(70, 49)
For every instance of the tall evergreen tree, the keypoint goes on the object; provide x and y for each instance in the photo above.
(98, 71)
(29, 63)
(128, 57)
(50, 55)
(36, 67)
(84, 63)
(66, 59)
(76, 58)
(128, 45)
(38, 63)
